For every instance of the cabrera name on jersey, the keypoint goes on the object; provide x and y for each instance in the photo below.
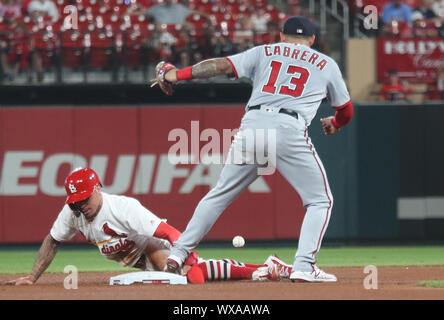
(292, 76)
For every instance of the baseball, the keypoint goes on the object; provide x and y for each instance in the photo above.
(238, 242)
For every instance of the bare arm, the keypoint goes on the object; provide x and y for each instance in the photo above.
(206, 69)
(44, 258)
(212, 68)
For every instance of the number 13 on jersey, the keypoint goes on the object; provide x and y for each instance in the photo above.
(297, 82)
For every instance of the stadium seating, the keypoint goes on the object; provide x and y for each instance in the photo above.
(103, 27)
(379, 4)
(72, 49)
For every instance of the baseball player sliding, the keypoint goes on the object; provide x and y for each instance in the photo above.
(125, 231)
(289, 80)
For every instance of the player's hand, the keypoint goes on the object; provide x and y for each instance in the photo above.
(185, 270)
(165, 76)
(193, 258)
(23, 281)
(328, 126)
(171, 75)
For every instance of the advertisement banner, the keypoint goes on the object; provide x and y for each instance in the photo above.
(416, 60)
(129, 149)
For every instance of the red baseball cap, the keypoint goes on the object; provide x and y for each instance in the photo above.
(80, 184)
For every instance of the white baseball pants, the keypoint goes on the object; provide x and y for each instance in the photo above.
(293, 155)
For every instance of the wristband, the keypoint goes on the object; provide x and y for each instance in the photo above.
(184, 74)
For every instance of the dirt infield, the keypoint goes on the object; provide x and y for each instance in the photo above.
(393, 283)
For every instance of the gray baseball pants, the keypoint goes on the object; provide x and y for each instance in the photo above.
(293, 155)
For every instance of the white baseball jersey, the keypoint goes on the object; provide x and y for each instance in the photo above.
(291, 76)
(121, 230)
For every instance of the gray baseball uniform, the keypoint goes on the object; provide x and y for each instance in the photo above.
(286, 78)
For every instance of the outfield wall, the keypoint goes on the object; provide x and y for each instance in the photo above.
(128, 147)
(384, 170)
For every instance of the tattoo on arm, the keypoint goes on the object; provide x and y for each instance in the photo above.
(212, 68)
(45, 256)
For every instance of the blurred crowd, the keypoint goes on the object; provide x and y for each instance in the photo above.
(406, 18)
(396, 88)
(42, 35)
(210, 30)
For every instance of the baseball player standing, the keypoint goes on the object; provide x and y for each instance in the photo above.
(289, 80)
(125, 231)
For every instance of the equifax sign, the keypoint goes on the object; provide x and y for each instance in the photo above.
(26, 173)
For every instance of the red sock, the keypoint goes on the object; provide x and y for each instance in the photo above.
(195, 275)
(242, 272)
(255, 266)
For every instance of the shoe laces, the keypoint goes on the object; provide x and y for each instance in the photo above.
(319, 273)
(284, 271)
(261, 273)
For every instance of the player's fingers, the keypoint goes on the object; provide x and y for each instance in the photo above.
(325, 122)
(11, 282)
(22, 282)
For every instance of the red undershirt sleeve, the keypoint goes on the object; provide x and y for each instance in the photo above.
(343, 115)
(167, 232)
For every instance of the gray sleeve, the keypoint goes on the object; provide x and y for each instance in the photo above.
(185, 10)
(54, 13)
(336, 88)
(244, 63)
(151, 12)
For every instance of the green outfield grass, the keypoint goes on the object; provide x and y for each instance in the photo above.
(20, 260)
(432, 284)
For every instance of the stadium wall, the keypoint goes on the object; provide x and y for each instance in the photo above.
(361, 68)
(383, 168)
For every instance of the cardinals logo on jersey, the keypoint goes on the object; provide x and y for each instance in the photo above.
(114, 247)
(111, 232)
(123, 246)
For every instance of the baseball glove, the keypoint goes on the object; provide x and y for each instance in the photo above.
(161, 70)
